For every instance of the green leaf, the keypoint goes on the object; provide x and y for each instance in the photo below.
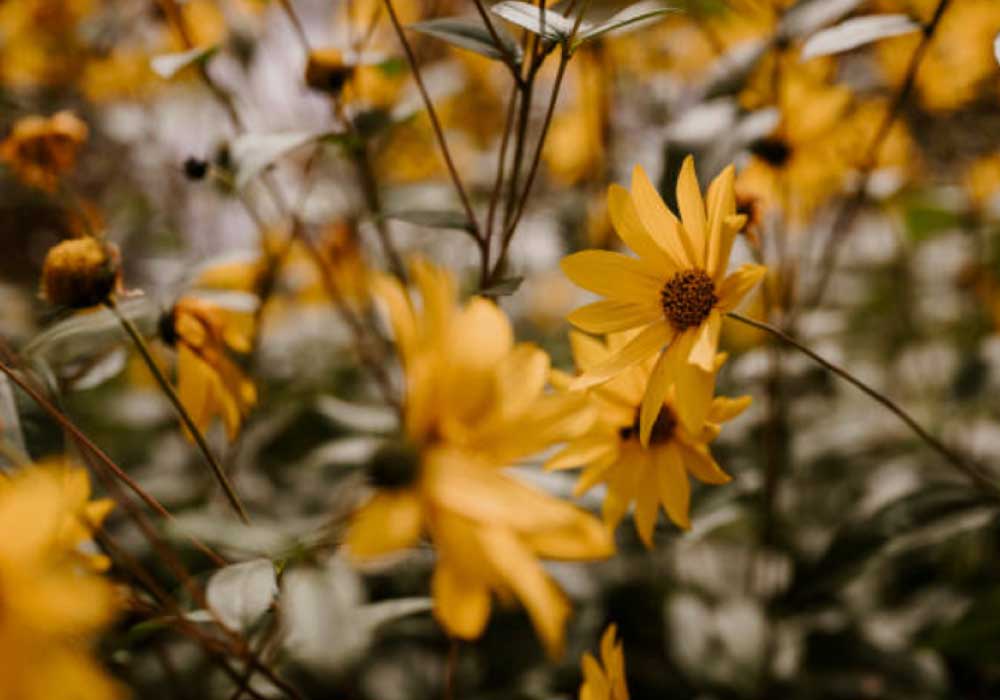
(168, 65)
(632, 17)
(472, 36)
(503, 288)
(392, 67)
(856, 32)
(552, 25)
(433, 218)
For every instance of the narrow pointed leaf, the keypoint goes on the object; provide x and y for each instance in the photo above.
(857, 32)
(472, 36)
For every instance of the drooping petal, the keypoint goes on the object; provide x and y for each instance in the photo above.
(698, 460)
(651, 340)
(588, 352)
(659, 222)
(673, 486)
(610, 316)
(694, 386)
(692, 209)
(646, 502)
(582, 451)
(521, 378)
(721, 204)
(652, 401)
(725, 408)
(613, 275)
(595, 683)
(461, 603)
(584, 539)
(707, 343)
(399, 310)
(591, 476)
(630, 229)
(390, 521)
(737, 285)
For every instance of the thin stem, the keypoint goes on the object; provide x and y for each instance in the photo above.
(182, 412)
(438, 131)
(508, 57)
(960, 463)
(451, 666)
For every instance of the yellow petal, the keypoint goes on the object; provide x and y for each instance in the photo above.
(656, 218)
(673, 486)
(461, 604)
(397, 305)
(694, 386)
(588, 352)
(721, 204)
(707, 343)
(595, 683)
(521, 378)
(652, 401)
(591, 476)
(725, 408)
(651, 340)
(582, 451)
(613, 275)
(610, 316)
(390, 521)
(692, 208)
(630, 229)
(584, 539)
(646, 502)
(737, 285)
(699, 462)
(545, 603)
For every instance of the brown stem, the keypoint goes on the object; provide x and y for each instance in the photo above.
(970, 471)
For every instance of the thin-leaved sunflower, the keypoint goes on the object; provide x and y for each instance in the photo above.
(651, 475)
(676, 291)
(474, 403)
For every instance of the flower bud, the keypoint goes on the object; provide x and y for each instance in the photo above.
(80, 272)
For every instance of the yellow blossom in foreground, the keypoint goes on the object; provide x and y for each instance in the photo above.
(40, 150)
(474, 403)
(52, 603)
(676, 291)
(209, 383)
(652, 475)
(605, 680)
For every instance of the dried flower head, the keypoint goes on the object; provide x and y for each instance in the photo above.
(81, 272)
(327, 71)
(40, 150)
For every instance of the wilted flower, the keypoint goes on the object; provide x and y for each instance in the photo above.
(40, 150)
(474, 404)
(81, 272)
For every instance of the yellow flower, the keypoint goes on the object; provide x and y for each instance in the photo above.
(209, 383)
(474, 403)
(982, 181)
(676, 291)
(649, 475)
(40, 150)
(52, 605)
(607, 682)
(574, 149)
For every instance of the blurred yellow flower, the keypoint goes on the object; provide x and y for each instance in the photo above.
(982, 181)
(209, 383)
(53, 602)
(651, 475)
(40, 150)
(574, 149)
(676, 291)
(605, 680)
(474, 403)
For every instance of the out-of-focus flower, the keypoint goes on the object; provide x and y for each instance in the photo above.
(121, 74)
(209, 383)
(41, 42)
(474, 403)
(40, 150)
(574, 150)
(676, 291)
(959, 62)
(649, 475)
(81, 272)
(54, 603)
(982, 181)
(605, 680)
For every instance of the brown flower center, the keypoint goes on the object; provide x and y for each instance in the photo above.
(688, 298)
(663, 428)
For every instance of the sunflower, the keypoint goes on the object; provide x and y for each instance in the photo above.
(209, 383)
(54, 603)
(474, 403)
(676, 291)
(605, 680)
(649, 475)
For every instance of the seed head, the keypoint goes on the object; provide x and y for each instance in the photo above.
(687, 299)
(80, 272)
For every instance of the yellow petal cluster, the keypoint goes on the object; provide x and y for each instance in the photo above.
(475, 402)
(52, 602)
(675, 292)
(209, 383)
(605, 680)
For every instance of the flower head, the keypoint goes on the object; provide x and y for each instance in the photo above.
(676, 292)
(605, 680)
(81, 272)
(650, 475)
(209, 383)
(52, 602)
(41, 150)
(474, 403)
